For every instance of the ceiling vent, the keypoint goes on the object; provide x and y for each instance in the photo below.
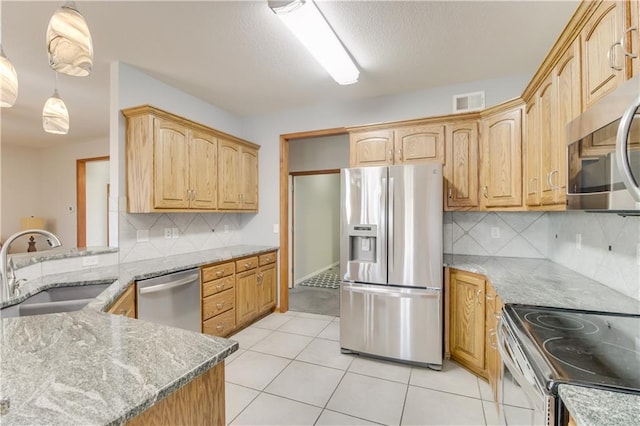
(468, 102)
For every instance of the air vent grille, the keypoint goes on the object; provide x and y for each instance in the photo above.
(468, 102)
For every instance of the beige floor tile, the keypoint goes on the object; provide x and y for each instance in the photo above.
(273, 410)
(283, 344)
(228, 360)
(381, 369)
(250, 336)
(316, 316)
(331, 418)
(273, 321)
(305, 326)
(486, 393)
(326, 353)
(308, 383)
(452, 378)
(237, 398)
(369, 398)
(331, 332)
(429, 407)
(254, 370)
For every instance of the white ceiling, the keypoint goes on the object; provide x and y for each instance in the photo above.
(239, 57)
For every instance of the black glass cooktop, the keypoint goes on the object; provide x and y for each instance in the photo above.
(590, 348)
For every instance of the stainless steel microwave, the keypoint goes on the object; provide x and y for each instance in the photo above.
(603, 154)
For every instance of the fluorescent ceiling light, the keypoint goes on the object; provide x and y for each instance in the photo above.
(306, 22)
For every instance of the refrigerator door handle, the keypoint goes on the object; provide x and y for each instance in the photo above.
(390, 225)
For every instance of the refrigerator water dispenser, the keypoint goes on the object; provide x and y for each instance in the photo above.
(362, 243)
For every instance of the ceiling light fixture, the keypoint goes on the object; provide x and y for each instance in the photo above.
(306, 22)
(69, 44)
(8, 76)
(55, 117)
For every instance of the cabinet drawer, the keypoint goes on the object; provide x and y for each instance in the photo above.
(125, 304)
(220, 325)
(216, 286)
(218, 271)
(246, 264)
(267, 258)
(218, 303)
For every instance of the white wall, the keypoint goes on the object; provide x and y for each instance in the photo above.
(97, 179)
(322, 153)
(316, 224)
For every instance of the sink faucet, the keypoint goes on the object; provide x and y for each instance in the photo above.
(8, 277)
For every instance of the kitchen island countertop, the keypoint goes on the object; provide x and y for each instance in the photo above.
(90, 367)
(595, 407)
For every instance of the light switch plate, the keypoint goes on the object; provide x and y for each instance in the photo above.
(495, 232)
(276, 228)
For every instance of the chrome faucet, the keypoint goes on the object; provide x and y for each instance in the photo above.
(8, 276)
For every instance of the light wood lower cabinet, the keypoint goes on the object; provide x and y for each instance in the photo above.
(473, 314)
(236, 292)
(125, 304)
(200, 402)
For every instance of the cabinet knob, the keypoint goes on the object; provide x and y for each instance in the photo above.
(267, 259)
(479, 297)
(247, 265)
(219, 286)
(220, 305)
(485, 191)
(450, 195)
(219, 273)
(219, 327)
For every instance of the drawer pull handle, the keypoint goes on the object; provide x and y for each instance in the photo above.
(219, 286)
(267, 259)
(122, 312)
(220, 305)
(247, 265)
(219, 273)
(219, 327)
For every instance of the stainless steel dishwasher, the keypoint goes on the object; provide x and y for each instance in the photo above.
(172, 299)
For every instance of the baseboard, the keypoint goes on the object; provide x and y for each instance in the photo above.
(316, 272)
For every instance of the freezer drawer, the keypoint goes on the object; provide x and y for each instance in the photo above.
(391, 322)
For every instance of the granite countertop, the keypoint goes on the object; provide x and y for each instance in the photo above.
(542, 282)
(90, 367)
(591, 407)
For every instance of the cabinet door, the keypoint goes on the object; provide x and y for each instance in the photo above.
(371, 148)
(125, 304)
(532, 154)
(246, 296)
(467, 316)
(501, 160)
(171, 166)
(419, 144)
(569, 106)
(493, 362)
(461, 166)
(203, 170)
(228, 175)
(266, 287)
(600, 56)
(547, 134)
(249, 179)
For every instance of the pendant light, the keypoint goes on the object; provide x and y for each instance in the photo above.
(8, 76)
(69, 44)
(55, 117)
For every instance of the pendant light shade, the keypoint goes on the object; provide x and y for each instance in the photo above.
(55, 117)
(69, 44)
(8, 81)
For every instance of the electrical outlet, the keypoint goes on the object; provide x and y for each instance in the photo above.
(142, 235)
(579, 241)
(495, 232)
(175, 233)
(167, 233)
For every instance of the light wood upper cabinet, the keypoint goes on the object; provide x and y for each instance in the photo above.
(397, 145)
(173, 165)
(531, 179)
(419, 144)
(548, 132)
(461, 165)
(238, 177)
(373, 148)
(604, 63)
(501, 158)
(467, 319)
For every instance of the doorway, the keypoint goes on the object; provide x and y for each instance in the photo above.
(303, 153)
(92, 195)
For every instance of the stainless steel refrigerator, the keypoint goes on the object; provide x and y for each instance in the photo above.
(391, 263)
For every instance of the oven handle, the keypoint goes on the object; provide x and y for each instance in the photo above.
(507, 358)
(622, 140)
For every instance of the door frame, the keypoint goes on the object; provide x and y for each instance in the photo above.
(81, 199)
(284, 205)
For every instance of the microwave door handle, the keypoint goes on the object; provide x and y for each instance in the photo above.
(622, 157)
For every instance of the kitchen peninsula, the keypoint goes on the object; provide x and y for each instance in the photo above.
(91, 367)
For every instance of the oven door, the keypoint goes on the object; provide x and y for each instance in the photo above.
(524, 402)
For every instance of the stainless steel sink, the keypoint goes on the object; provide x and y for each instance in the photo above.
(57, 299)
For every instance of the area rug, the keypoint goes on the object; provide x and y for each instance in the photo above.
(325, 279)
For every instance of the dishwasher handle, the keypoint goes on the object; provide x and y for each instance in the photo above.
(169, 285)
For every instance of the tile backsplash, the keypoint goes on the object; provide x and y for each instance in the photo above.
(609, 244)
(195, 232)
